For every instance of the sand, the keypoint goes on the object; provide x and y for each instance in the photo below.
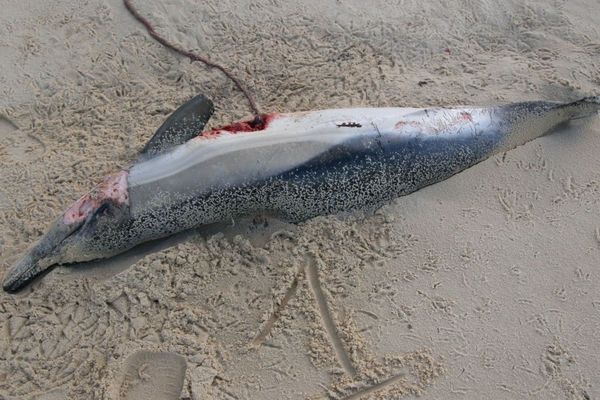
(483, 286)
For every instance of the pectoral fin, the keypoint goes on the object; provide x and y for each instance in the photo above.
(185, 123)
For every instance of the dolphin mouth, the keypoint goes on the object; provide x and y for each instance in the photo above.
(21, 274)
(36, 260)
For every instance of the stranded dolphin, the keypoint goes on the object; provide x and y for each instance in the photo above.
(293, 166)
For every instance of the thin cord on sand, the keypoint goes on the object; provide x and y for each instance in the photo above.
(190, 55)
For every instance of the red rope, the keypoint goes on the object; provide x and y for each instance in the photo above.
(190, 55)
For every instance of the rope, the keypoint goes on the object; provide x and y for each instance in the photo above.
(192, 56)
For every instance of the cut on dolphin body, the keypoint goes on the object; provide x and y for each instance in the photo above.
(292, 165)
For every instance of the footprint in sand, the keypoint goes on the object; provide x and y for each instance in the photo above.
(152, 376)
(18, 145)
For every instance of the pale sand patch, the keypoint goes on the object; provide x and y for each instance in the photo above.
(152, 376)
(483, 286)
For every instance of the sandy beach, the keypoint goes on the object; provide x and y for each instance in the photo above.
(486, 285)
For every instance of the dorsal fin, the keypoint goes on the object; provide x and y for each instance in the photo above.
(185, 123)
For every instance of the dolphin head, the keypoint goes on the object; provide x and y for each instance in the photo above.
(81, 233)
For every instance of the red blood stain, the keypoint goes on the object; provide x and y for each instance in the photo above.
(89, 202)
(448, 51)
(402, 124)
(466, 116)
(258, 123)
(210, 134)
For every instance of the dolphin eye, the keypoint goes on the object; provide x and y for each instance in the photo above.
(103, 209)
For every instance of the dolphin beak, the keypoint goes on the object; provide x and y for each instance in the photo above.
(37, 260)
(52, 245)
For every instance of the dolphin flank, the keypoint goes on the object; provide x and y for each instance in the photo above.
(292, 166)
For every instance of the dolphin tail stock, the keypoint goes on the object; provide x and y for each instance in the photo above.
(582, 108)
(530, 120)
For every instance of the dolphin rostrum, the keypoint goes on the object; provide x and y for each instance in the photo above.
(293, 166)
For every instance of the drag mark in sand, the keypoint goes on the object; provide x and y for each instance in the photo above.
(375, 387)
(264, 332)
(312, 275)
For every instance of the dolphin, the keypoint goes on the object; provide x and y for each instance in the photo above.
(292, 166)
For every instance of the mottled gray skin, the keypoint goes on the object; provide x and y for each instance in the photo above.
(181, 126)
(363, 171)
